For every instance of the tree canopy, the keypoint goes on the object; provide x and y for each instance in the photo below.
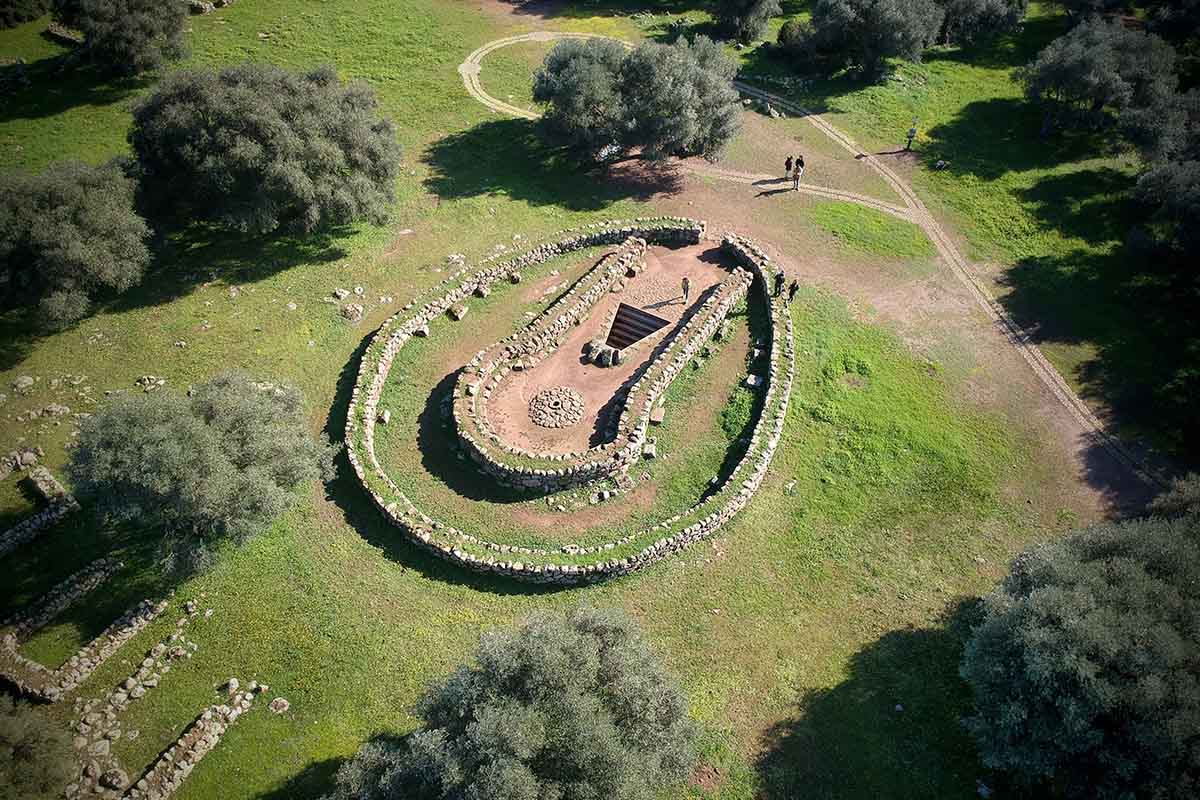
(68, 235)
(573, 706)
(1086, 668)
(745, 20)
(14, 12)
(261, 148)
(218, 464)
(36, 759)
(126, 36)
(675, 99)
(966, 21)
(864, 34)
(1099, 68)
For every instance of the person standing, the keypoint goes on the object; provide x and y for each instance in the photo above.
(792, 290)
(799, 173)
(787, 168)
(779, 283)
(687, 289)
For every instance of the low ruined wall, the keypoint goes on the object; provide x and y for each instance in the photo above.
(533, 564)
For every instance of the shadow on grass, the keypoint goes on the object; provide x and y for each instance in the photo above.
(889, 730)
(360, 513)
(509, 158)
(1140, 323)
(55, 86)
(315, 780)
(990, 138)
(183, 259)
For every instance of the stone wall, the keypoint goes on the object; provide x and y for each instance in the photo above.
(37, 680)
(546, 472)
(669, 536)
(61, 503)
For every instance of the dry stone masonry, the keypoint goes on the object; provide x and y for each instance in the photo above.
(556, 407)
(59, 504)
(574, 564)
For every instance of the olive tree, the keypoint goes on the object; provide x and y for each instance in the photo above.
(217, 464)
(680, 99)
(745, 20)
(1097, 69)
(68, 235)
(675, 99)
(126, 36)
(261, 148)
(1086, 667)
(864, 34)
(36, 759)
(579, 82)
(14, 12)
(966, 21)
(566, 706)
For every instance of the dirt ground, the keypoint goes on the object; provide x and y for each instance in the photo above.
(658, 291)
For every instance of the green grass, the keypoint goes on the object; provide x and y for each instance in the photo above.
(866, 230)
(508, 72)
(16, 502)
(1046, 218)
(795, 632)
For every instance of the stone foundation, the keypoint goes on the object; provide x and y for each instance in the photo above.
(572, 565)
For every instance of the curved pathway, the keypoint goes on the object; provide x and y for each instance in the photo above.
(914, 211)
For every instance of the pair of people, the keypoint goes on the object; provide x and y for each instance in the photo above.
(792, 290)
(795, 170)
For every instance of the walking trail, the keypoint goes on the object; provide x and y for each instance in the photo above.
(914, 211)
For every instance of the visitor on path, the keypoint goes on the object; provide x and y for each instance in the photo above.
(687, 289)
(787, 168)
(912, 134)
(799, 173)
(779, 283)
(792, 290)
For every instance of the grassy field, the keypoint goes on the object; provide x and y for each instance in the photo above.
(1044, 218)
(836, 598)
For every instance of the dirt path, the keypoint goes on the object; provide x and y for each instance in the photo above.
(1090, 426)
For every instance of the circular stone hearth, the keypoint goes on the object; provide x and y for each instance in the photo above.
(556, 407)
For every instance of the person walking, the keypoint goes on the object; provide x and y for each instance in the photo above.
(687, 289)
(779, 283)
(787, 168)
(799, 173)
(792, 290)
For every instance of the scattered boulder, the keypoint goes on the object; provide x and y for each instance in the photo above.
(23, 384)
(385, 416)
(458, 311)
(279, 705)
(657, 415)
(341, 294)
(353, 312)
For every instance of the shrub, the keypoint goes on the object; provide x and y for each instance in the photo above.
(126, 37)
(565, 706)
(260, 148)
(966, 21)
(36, 759)
(14, 12)
(1181, 498)
(217, 465)
(68, 235)
(864, 34)
(579, 82)
(745, 20)
(1086, 668)
(668, 100)
(1097, 68)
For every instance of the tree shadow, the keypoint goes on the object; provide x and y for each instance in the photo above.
(1007, 50)
(990, 138)
(507, 157)
(889, 730)
(315, 780)
(360, 513)
(56, 86)
(1089, 204)
(201, 252)
(1140, 324)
